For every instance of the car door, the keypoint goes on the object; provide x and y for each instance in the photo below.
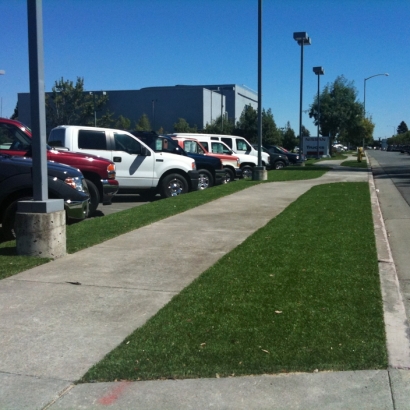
(133, 168)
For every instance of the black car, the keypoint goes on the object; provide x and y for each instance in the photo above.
(210, 169)
(277, 160)
(16, 184)
(293, 158)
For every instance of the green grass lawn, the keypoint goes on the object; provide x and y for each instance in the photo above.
(301, 293)
(355, 164)
(93, 231)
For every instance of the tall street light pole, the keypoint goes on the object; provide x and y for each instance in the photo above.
(364, 93)
(318, 71)
(153, 114)
(2, 72)
(302, 39)
(259, 172)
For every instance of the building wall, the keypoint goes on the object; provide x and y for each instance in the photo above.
(197, 104)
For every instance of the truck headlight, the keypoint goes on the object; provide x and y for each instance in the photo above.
(76, 183)
(111, 171)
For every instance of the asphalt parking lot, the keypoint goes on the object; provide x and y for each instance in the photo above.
(120, 202)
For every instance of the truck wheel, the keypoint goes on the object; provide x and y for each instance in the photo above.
(94, 197)
(173, 185)
(9, 219)
(279, 165)
(229, 175)
(247, 172)
(205, 179)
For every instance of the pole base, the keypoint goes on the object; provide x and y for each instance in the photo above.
(259, 174)
(41, 234)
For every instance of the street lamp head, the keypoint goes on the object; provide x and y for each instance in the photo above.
(300, 35)
(318, 70)
(375, 75)
(302, 38)
(2, 72)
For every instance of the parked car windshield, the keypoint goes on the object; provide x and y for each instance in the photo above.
(162, 144)
(12, 138)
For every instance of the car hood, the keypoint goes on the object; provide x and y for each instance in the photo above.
(21, 165)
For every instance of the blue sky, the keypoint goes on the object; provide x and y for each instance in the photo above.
(131, 44)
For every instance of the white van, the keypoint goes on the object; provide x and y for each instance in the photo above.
(239, 145)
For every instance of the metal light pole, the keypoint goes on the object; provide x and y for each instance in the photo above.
(259, 172)
(153, 114)
(364, 94)
(2, 72)
(318, 71)
(95, 111)
(302, 39)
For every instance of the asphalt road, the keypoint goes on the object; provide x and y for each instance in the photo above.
(395, 166)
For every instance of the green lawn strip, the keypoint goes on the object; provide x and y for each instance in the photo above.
(301, 293)
(355, 164)
(93, 231)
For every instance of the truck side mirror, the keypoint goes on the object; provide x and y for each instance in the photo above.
(145, 151)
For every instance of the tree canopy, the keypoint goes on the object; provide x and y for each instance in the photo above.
(219, 126)
(402, 128)
(143, 123)
(289, 140)
(68, 104)
(341, 115)
(247, 127)
(183, 126)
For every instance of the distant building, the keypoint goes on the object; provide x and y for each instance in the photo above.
(198, 104)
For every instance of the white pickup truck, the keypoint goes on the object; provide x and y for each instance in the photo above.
(139, 168)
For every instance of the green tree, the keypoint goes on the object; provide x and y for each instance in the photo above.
(143, 123)
(270, 132)
(340, 112)
(68, 104)
(247, 126)
(123, 123)
(15, 115)
(106, 120)
(362, 132)
(402, 128)
(289, 139)
(183, 126)
(305, 131)
(219, 126)
(400, 139)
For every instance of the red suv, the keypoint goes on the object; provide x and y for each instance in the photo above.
(99, 173)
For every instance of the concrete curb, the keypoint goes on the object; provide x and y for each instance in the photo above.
(395, 318)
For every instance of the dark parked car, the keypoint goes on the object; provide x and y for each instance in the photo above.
(16, 184)
(293, 158)
(210, 169)
(15, 139)
(277, 160)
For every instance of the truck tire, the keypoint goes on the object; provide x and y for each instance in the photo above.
(247, 172)
(205, 180)
(94, 197)
(9, 219)
(173, 185)
(279, 165)
(229, 175)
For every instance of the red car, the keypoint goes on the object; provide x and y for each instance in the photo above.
(99, 173)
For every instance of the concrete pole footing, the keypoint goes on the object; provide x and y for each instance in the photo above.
(41, 234)
(259, 174)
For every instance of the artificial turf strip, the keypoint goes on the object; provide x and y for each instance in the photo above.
(97, 230)
(301, 293)
(355, 164)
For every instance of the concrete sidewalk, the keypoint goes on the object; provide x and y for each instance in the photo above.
(61, 318)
